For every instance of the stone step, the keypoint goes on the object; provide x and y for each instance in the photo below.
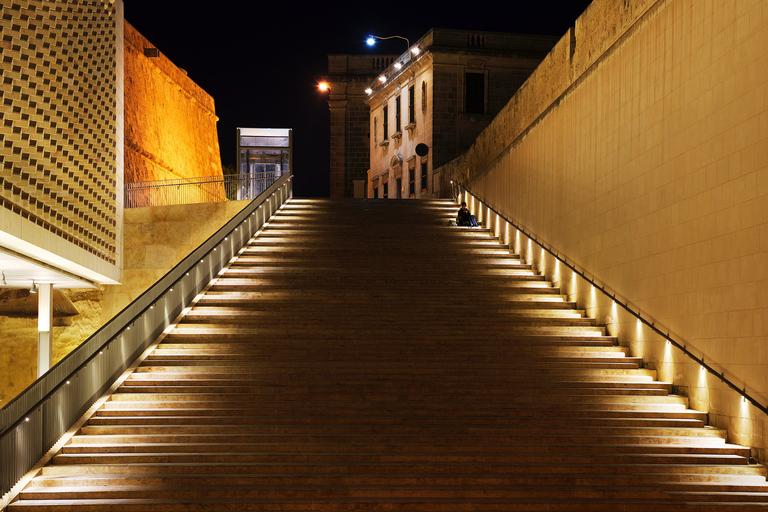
(408, 416)
(673, 482)
(520, 333)
(414, 408)
(402, 347)
(244, 316)
(409, 376)
(279, 493)
(344, 459)
(422, 435)
(439, 505)
(542, 418)
(225, 358)
(615, 396)
(116, 445)
(265, 301)
(403, 419)
(354, 288)
(653, 472)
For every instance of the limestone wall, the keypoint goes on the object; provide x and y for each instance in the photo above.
(157, 238)
(349, 75)
(170, 122)
(638, 149)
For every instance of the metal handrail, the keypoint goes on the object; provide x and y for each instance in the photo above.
(202, 189)
(625, 305)
(37, 418)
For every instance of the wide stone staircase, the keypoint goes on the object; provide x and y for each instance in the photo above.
(362, 355)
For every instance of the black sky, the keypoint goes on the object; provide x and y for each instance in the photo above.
(261, 60)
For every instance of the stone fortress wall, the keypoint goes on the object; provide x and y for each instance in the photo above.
(170, 121)
(638, 150)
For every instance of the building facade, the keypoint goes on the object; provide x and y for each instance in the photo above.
(429, 105)
(61, 127)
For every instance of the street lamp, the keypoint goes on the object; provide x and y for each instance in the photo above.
(372, 39)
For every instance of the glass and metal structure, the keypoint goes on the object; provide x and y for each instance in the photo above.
(262, 153)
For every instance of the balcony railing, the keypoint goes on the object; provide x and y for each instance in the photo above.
(206, 189)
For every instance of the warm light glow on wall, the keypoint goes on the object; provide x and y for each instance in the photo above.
(530, 251)
(666, 364)
(574, 291)
(613, 318)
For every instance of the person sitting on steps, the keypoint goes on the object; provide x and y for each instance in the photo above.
(464, 218)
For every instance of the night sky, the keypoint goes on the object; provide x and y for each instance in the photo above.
(261, 60)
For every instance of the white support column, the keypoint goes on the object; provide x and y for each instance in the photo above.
(44, 329)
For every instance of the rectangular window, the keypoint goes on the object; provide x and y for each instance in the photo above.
(474, 93)
(412, 181)
(375, 192)
(386, 190)
(423, 175)
(385, 123)
(398, 109)
(412, 104)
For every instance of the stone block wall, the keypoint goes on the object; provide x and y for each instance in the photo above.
(170, 122)
(357, 154)
(638, 151)
(348, 76)
(158, 238)
(446, 86)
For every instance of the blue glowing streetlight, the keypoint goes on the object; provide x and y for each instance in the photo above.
(371, 40)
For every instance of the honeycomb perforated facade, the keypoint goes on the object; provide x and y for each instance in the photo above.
(59, 121)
